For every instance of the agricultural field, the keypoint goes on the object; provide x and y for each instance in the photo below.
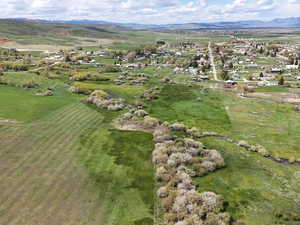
(142, 129)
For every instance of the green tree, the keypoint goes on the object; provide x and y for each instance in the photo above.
(281, 81)
(224, 75)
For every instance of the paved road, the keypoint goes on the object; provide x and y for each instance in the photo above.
(212, 62)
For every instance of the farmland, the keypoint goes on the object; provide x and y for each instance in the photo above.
(104, 125)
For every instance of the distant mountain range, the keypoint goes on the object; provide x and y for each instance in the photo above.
(291, 22)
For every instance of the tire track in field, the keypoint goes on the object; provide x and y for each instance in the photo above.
(29, 172)
(14, 171)
(61, 147)
(8, 135)
(57, 203)
(51, 142)
(22, 138)
(37, 138)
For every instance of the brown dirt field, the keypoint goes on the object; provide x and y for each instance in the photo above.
(40, 181)
(282, 97)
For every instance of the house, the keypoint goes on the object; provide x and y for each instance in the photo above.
(276, 70)
(193, 71)
(267, 83)
(236, 76)
(292, 67)
(252, 85)
(251, 66)
(204, 77)
(230, 84)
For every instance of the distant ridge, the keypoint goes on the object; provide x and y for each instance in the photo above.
(291, 22)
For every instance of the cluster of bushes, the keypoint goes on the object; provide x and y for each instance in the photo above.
(176, 162)
(254, 148)
(82, 76)
(104, 101)
(132, 79)
(291, 216)
(46, 93)
(167, 80)
(14, 66)
(151, 94)
(23, 84)
(21, 80)
(78, 90)
(111, 69)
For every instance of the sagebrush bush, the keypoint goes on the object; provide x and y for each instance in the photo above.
(178, 127)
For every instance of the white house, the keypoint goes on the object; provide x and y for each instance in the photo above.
(292, 67)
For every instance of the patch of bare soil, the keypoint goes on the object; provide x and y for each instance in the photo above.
(276, 96)
(132, 126)
(2, 120)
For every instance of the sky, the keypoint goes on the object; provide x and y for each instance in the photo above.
(150, 11)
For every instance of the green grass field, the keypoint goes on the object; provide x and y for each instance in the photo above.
(258, 191)
(97, 168)
(21, 105)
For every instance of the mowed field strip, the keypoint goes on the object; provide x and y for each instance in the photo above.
(40, 182)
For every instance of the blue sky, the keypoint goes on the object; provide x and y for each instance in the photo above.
(151, 11)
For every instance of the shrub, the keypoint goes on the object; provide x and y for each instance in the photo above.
(297, 175)
(160, 158)
(30, 84)
(140, 113)
(281, 81)
(79, 76)
(217, 219)
(170, 218)
(162, 192)
(14, 66)
(214, 157)
(191, 143)
(162, 134)
(79, 90)
(100, 94)
(211, 202)
(194, 132)
(260, 149)
(127, 116)
(208, 166)
(167, 203)
(200, 169)
(244, 144)
(150, 122)
(181, 223)
(178, 127)
(111, 69)
(46, 93)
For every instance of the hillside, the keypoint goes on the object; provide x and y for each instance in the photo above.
(243, 24)
(58, 35)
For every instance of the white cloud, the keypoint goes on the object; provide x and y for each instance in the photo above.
(151, 11)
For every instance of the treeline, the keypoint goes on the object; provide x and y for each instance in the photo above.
(13, 66)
